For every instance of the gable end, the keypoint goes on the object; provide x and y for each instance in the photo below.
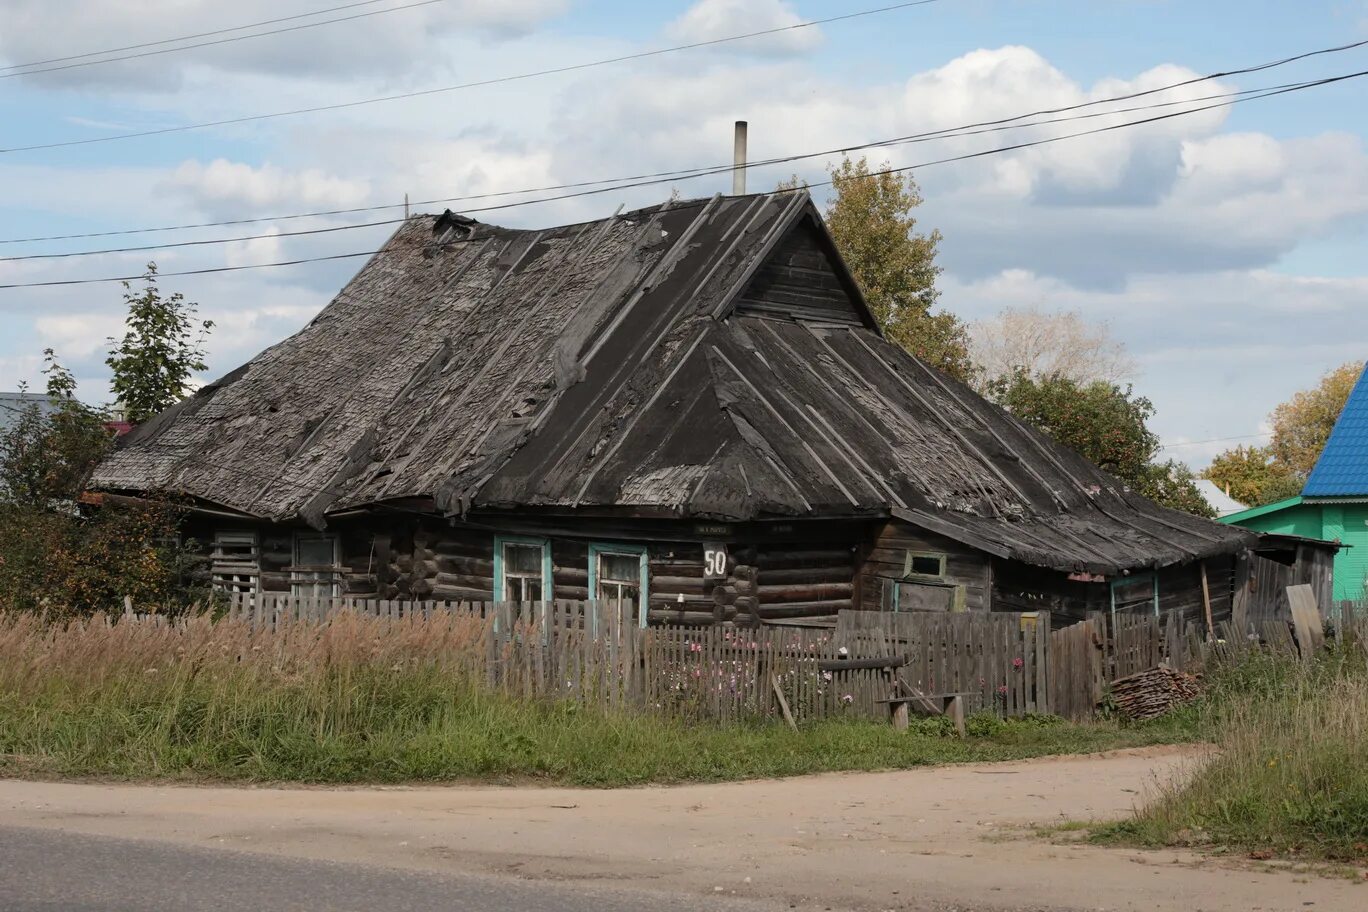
(801, 280)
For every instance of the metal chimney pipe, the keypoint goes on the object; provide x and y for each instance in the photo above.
(739, 160)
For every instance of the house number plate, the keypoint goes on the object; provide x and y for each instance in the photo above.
(715, 565)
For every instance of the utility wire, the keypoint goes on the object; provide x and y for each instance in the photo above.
(223, 31)
(987, 123)
(498, 80)
(687, 174)
(1188, 443)
(956, 158)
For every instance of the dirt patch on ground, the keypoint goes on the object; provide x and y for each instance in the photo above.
(948, 835)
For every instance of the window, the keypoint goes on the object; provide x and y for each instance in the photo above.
(924, 564)
(1135, 593)
(235, 563)
(912, 595)
(522, 569)
(619, 573)
(315, 573)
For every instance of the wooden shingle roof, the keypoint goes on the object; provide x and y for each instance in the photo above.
(707, 359)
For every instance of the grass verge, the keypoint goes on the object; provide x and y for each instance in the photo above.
(345, 704)
(1290, 776)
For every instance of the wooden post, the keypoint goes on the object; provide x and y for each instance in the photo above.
(783, 703)
(901, 714)
(1206, 604)
(955, 710)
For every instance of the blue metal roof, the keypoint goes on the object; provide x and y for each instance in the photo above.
(1342, 470)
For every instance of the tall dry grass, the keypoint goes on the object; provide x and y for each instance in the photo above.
(361, 699)
(1289, 773)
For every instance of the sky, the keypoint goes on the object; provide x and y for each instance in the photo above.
(1225, 248)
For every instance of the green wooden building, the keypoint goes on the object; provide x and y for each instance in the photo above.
(1333, 506)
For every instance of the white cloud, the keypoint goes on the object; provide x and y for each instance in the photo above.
(388, 44)
(256, 251)
(77, 336)
(708, 20)
(227, 188)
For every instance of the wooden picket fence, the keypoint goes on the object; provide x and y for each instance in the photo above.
(595, 652)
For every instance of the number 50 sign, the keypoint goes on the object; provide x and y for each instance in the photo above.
(715, 565)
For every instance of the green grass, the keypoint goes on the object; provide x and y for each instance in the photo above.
(349, 706)
(416, 727)
(1290, 774)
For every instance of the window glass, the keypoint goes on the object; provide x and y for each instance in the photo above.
(519, 558)
(619, 577)
(523, 566)
(315, 552)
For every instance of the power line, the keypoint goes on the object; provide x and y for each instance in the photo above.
(988, 123)
(1188, 443)
(686, 174)
(222, 31)
(641, 55)
(956, 158)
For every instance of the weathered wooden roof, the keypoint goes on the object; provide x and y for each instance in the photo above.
(709, 359)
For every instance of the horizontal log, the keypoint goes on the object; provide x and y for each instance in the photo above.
(571, 575)
(481, 566)
(690, 603)
(806, 593)
(681, 618)
(685, 584)
(828, 574)
(781, 560)
(802, 609)
(747, 604)
(463, 581)
(457, 593)
(724, 595)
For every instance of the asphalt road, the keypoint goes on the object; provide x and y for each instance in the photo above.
(48, 871)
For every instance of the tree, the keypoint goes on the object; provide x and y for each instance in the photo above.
(159, 352)
(46, 458)
(55, 557)
(1048, 344)
(1106, 424)
(871, 219)
(1253, 476)
(1302, 425)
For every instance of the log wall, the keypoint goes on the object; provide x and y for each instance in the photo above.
(885, 559)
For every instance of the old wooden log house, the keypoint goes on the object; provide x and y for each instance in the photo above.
(689, 406)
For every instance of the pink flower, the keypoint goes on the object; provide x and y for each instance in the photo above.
(1018, 662)
(1002, 689)
(848, 699)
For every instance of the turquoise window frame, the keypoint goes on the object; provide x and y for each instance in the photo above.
(548, 582)
(644, 583)
(1131, 581)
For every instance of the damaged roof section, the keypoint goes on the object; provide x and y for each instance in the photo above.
(710, 358)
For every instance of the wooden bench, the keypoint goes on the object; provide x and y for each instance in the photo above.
(943, 704)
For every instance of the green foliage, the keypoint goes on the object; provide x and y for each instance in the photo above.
(871, 219)
(1290, 771)
(1301, 427)
(47, 457)
(54, 557)
(1108, 425)
(344, 705)
(1253, 476)
(159, 352)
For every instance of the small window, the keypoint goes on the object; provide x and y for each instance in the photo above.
(235, 563)
(315, 573)
(924, 564)
(522, 571)
(619, 573)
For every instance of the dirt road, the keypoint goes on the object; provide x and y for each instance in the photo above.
(901, 840)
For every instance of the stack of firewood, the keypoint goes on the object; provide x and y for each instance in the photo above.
(1152, 693)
